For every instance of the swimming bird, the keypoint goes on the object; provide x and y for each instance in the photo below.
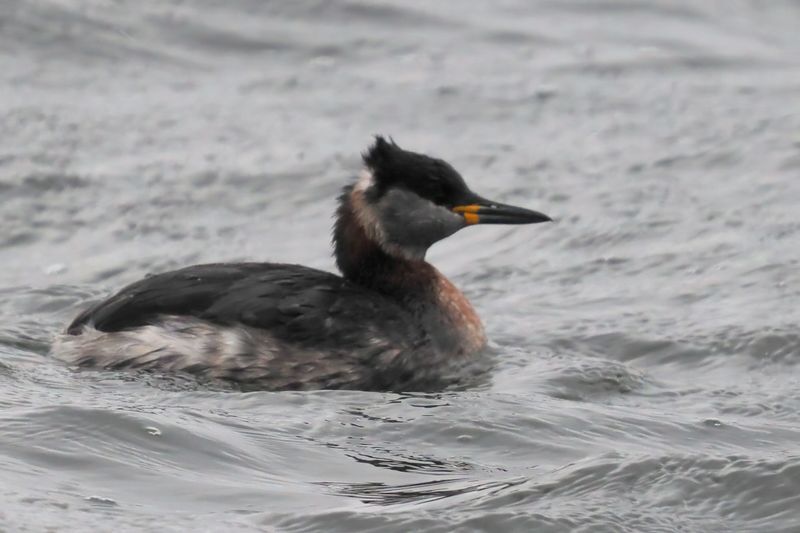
(391, 321)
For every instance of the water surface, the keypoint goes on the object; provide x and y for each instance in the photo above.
(646, 346)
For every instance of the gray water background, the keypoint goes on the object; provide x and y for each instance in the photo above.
(646, 346)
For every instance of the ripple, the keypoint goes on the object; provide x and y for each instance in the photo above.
(419, 493)
(737, 489)
(594, 380)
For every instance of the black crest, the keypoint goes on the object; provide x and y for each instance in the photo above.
(429, 177)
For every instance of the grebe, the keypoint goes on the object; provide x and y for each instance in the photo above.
(390, 322)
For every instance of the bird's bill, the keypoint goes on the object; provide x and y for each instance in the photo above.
(482, 211)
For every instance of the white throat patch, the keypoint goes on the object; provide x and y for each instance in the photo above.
(366, 179)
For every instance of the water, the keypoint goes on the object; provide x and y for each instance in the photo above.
(645, 348)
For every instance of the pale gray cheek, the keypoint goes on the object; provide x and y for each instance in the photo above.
(410, 222)
(427, 227)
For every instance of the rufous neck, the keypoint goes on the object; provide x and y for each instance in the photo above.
(362, 259)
